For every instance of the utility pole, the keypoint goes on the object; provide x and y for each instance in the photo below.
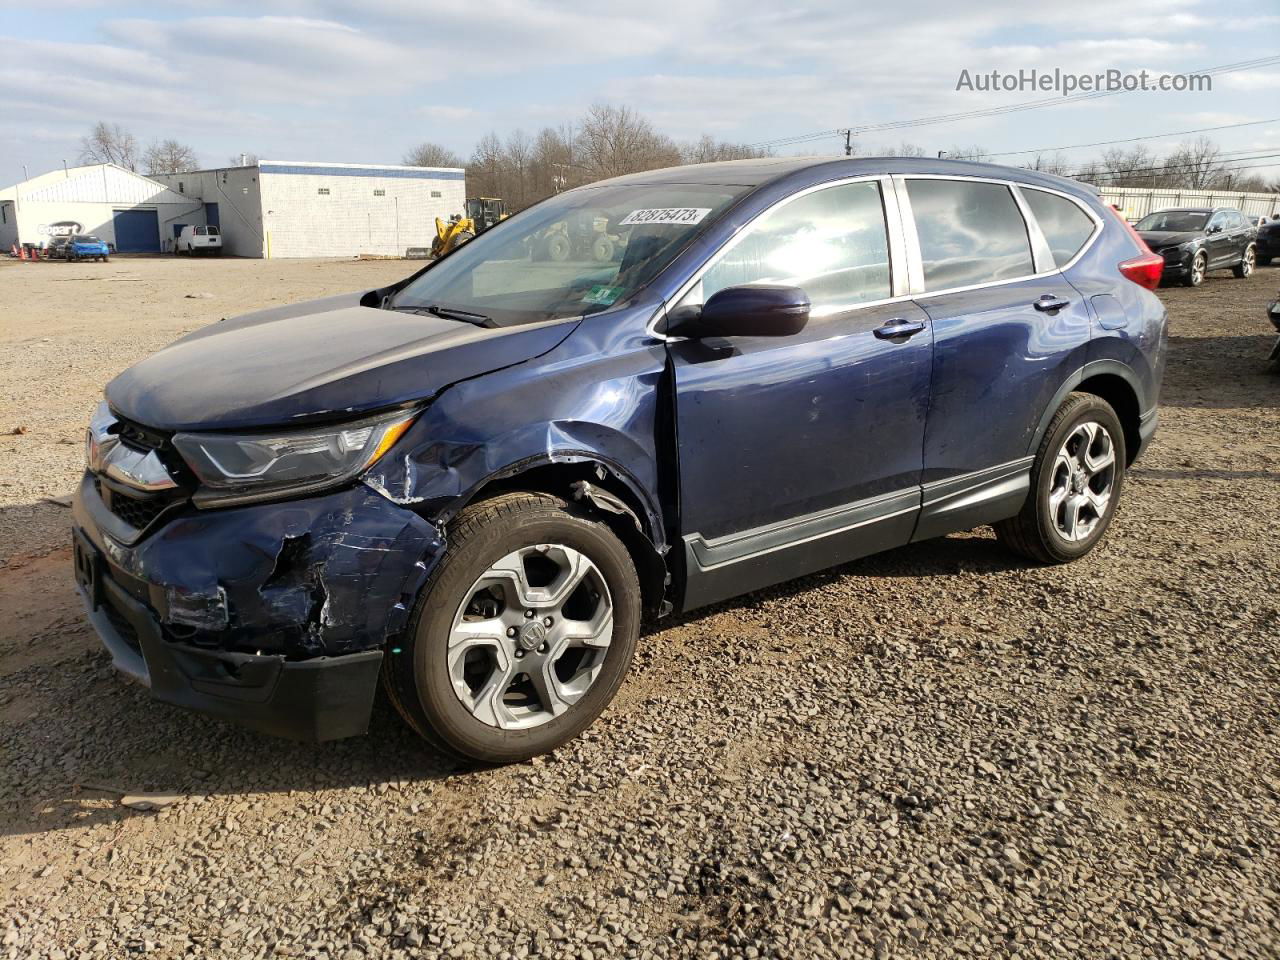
(848, 143)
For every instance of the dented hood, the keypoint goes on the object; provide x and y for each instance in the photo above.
(325, 359)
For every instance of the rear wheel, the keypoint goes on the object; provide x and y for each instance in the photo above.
(1199, 266)
(523, 633)
(1247, 260)
(1075, 484)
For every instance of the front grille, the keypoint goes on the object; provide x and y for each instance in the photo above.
(137, 512)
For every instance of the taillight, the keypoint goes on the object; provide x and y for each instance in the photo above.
(1147, 269)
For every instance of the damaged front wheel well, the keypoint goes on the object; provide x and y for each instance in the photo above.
(594, 486)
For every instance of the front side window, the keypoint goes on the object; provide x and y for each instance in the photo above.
(1065, 226)
(1218, 221)
(831, 243)
(577, 253)
(970, 232)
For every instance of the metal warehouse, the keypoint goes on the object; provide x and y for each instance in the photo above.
(279, 208)
(127, 210)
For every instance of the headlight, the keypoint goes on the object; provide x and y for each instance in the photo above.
(235, 468)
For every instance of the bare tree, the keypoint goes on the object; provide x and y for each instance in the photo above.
(1134, 167)
(617, 140)
(706, 149)
(904, 149)
(1055, 163)
(109, 143)
(432, 155)
(170, 156)
(1195, 164)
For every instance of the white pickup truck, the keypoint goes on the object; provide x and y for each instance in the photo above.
(193, 240)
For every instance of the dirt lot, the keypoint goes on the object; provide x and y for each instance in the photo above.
(934, 752)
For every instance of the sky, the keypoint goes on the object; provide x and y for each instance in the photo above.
(365, 80)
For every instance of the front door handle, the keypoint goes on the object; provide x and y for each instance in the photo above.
(1051, 304)
(899, 329)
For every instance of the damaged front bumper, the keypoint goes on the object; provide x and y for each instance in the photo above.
(272, 615)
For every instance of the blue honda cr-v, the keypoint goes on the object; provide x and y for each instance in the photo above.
(641, 396)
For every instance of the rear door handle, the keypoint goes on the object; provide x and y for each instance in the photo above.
(899, 329)
(1049, 303)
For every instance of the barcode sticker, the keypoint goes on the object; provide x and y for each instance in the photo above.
(685, 216)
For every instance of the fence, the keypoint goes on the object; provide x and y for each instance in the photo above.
(1137, 202)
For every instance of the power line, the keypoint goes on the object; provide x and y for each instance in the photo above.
(1007, 108)
(1153, 136)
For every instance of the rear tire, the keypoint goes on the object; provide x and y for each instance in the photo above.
(1247, 260)
(484, 708)
(1265, 261)
(1074, 489)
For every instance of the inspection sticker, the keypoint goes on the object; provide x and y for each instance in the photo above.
(686, 216)
(602, 295)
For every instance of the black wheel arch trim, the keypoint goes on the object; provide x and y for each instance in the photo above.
(1090, 370)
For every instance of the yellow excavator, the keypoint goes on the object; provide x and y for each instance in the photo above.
(481, 214)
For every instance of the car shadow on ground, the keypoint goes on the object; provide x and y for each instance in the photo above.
(76, 736)
(974, 552)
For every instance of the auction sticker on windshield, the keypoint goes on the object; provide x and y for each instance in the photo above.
(682, 215)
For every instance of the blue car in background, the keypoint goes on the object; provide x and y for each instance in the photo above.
(474, 485)
(84, 247)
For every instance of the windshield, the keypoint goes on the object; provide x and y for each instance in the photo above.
(1173, 221)
(85, 239)
(574, 254)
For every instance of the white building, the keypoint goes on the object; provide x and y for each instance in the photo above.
(129, 211)
(282, 208)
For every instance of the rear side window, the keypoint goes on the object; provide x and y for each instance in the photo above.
(1064, 225)
(969, 233)
(831, 243)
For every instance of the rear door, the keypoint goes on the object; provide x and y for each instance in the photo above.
(1008, 329)
(799, 452)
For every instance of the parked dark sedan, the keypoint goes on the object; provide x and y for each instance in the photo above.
(1269, 240)
(1195, 240)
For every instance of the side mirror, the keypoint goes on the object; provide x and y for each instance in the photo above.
(1216, 228)
(753, 310)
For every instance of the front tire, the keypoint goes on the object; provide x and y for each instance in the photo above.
(1076, 481)
(523, 633)
(1247, 260)
(1199, 266)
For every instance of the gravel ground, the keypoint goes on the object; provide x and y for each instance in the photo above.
(935, 752)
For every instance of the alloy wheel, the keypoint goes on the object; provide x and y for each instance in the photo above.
(530, 636)
(1083, 480)
(1246, 264)
(1198, 266)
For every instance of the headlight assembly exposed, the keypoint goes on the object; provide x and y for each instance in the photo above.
(236, 468)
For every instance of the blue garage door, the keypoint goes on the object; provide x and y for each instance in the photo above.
(137, 231)
(211, 215)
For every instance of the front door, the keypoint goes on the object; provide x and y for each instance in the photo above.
(799, 452)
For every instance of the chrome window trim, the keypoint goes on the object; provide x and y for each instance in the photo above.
(905, 241)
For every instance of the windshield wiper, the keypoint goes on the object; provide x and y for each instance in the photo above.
(449, 313)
